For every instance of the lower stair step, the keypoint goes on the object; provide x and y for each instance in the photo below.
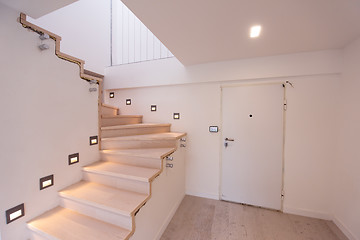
(149, 157)
(109, 110)
(134, 129)
(122, 171)
(105, 197)
(113, 120)
(156, 140)
(127, 177)
(65, 224)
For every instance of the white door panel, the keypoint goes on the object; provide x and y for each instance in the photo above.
(252, 163)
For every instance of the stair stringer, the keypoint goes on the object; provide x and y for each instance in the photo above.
(84, 74)
(167, 192)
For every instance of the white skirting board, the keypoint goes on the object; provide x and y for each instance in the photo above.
(203, 195)
(307, 213)
(344, 229)
(324, 216)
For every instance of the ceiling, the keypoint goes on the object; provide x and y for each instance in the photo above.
(36, 8)
(203, 31)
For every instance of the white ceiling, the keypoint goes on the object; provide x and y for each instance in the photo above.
(199, 31)
(36, 8)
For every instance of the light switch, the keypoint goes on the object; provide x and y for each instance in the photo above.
(214, 129)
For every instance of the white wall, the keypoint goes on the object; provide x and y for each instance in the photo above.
(346, 175)
(310, 146)
(47, 114)
(171, 71)
(84, 27)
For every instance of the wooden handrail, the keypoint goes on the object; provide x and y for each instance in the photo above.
(84, 74)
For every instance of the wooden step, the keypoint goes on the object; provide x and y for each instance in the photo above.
(159, 140)
(64, 224)
(106, 203)
(113, 120)
(127, 177)
(134, 129)
(149, 157)
(109, 110)
(94, 74)
(105, 197)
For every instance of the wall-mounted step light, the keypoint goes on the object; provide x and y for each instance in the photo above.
(74, 158)
(169, 165)
(128, 101)
(15, 213)
(153, 108)
(46, 182)
(176, 116)
(93, 140)
(111, 95)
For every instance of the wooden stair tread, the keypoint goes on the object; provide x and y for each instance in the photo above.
(148, 137)
(146, 153)
(105, 197)
(109, 106)
(138, 125)
(121, 116)
(94, 74)
(65, 224)
(123, 171)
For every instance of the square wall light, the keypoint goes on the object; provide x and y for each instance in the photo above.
(153, 108)
(74, 158)
(111, 94)
(15, 213)
(128, 101)
(46, 182)
(93, 140)
(176, 116)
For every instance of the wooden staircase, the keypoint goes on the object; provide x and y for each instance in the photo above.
(104, 205)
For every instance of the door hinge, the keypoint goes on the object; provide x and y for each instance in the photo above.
(285, 104)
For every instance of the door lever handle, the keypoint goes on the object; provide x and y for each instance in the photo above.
(229, 139)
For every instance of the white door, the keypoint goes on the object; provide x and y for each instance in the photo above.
(252, 162)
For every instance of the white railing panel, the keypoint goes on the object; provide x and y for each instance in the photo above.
(132, 41)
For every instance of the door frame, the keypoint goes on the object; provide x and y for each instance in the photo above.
(284, 83)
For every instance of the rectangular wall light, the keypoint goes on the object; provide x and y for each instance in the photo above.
(15, 213)
(47, 181)
(111, 94)
(153, 108)
(128, 101)
(74, 158)
(255, 31)
(176, 116)
(93, 140)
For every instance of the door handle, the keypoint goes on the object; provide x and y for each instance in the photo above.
(226, 144)
(229, 139)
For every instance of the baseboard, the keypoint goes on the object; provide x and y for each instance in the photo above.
(168, 219)
(203, 195)
(344, 229)
(307, 213)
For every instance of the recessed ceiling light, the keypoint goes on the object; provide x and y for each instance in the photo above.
(255, 31)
